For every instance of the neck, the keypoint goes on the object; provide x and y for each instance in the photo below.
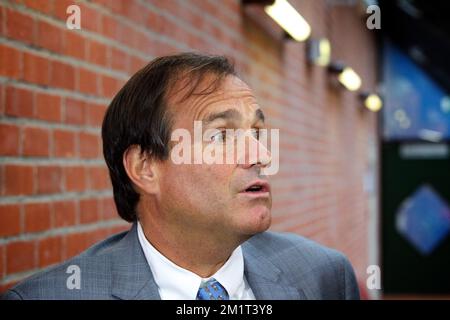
(191, 250)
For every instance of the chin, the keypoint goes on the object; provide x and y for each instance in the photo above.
(258, 219)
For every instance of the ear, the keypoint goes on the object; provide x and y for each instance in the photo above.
(141, 170)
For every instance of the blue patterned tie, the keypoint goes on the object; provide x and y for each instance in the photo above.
(212, 290)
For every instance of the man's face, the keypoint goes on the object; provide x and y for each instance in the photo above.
(215, 197)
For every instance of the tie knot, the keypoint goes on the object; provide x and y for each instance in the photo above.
(212, 290)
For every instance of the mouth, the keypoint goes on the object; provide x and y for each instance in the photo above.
(257, 188)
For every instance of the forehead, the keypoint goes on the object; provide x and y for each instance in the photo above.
(231, 93)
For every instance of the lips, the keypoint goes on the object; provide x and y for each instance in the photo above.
(257, 187)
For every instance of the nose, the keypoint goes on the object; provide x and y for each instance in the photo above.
(252, 152)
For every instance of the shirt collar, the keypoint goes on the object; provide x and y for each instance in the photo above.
(175, 282)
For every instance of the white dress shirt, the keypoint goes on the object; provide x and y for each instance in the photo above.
(176, 283)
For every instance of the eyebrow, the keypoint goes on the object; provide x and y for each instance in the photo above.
(232, 114)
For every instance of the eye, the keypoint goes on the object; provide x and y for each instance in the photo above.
(219, 136)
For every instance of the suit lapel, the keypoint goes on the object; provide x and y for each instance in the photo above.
(265, 279)
(131, 274)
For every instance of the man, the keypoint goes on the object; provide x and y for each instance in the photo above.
(199, 229)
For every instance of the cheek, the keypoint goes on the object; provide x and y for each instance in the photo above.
(191, 183)
(216, 176)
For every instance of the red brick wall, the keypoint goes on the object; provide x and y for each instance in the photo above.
(55, 84)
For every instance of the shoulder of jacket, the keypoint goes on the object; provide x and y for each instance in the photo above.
(52, 281)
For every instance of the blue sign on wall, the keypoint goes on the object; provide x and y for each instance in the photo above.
(415, 107)
(424, 219)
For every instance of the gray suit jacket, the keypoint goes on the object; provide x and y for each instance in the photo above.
(277, 266)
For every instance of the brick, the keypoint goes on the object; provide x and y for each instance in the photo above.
(64, 143)
(119, 228)
(75, 45)
(49, 36)
(18, 180)
(2, 101)
(110, 86)
(89, 145)
(145, 44)
(49, 179)
(20, 256)
(19, 26)
(89, 212)
(2, 18)
(97, 53)
(62, 75)
(2, 180)
(48, 107)
(60, 8)
(108, 209)
(10, 220)
(112, 28)
(75, 243)
(75, 112)
(44, 6)
(153, 21)
(136, 64)
(37, 217)
(119, 60)
(95, 114)
(87, 81)
(49, 251)
(19, 102)
(75, 178)
(9, 142)
(114, 6)
(78, 242)
(64, 213)
(35, 142)
(12, 57)
(98, 178)
(98, 234)
(36, 69)
(2, 263)
(91, 18)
